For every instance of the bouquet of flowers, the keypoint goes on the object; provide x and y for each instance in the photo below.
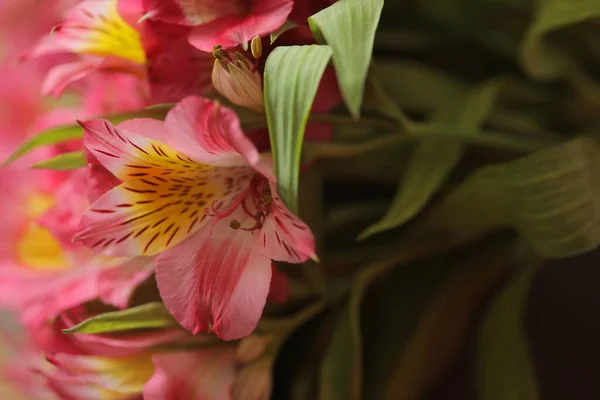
(302, 199)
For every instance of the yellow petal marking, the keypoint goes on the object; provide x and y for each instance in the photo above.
(110, 35)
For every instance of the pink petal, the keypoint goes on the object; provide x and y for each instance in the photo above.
(118, 148)
(113, 91)
(61, 76)
(264, 18)
(204, 374)
(284, 236)
(43, 295)
(95, 28)
(122, 377)
(99, 179)
(147, 215)
(178, 70)
(209, 133)
(71, 201)
(215, 282)
(195, 12)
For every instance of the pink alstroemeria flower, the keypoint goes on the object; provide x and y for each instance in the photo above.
(107, 37)
(40, 276)
(226, 23)
(197, 191)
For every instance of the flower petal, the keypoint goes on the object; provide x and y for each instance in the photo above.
(264, 18)
(147, 215)
(119, 377)
(178, 70)
(216, 283)
(194, 12)
(124, 152)
(41, 295)
(61, 76)
(284, 236)
(209, 133)
(95, 28)
(204, 374)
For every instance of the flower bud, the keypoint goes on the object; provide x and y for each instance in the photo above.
(237, 81)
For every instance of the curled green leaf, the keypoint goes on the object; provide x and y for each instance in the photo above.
(146, 316)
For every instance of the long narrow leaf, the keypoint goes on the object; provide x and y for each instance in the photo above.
(348, 26)
(292, 75)
(150, 315)
(69, 132)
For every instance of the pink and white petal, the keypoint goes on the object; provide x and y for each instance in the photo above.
(61, 76)
(209, 133)
(284, 236)
(150, 214)
(123, 376)
(96, 28)
(205, 374)
(128, 154)
(215, 282)
(264, 18)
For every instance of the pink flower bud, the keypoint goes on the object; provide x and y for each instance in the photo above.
(238, 81)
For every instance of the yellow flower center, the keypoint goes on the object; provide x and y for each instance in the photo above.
(37, 249)
(110, 35)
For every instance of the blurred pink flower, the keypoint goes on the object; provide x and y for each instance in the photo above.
(109, 39)
(225, 23)
(41, 274)
(196, 190)
(87, 377)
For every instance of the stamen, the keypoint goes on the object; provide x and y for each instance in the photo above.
(220, 215)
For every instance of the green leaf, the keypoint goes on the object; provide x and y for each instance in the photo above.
(349, 26)
(551, 197)
(541, 58)
(434, 159)
(146, 316)
(289, 24)
(51, 136)
(69, 132)
(292, 75)
(64, 162)
(505, 370)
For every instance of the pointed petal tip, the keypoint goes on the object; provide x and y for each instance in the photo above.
(315, 258)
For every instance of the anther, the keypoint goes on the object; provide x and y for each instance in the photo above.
(256, 47)
(235, 224)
